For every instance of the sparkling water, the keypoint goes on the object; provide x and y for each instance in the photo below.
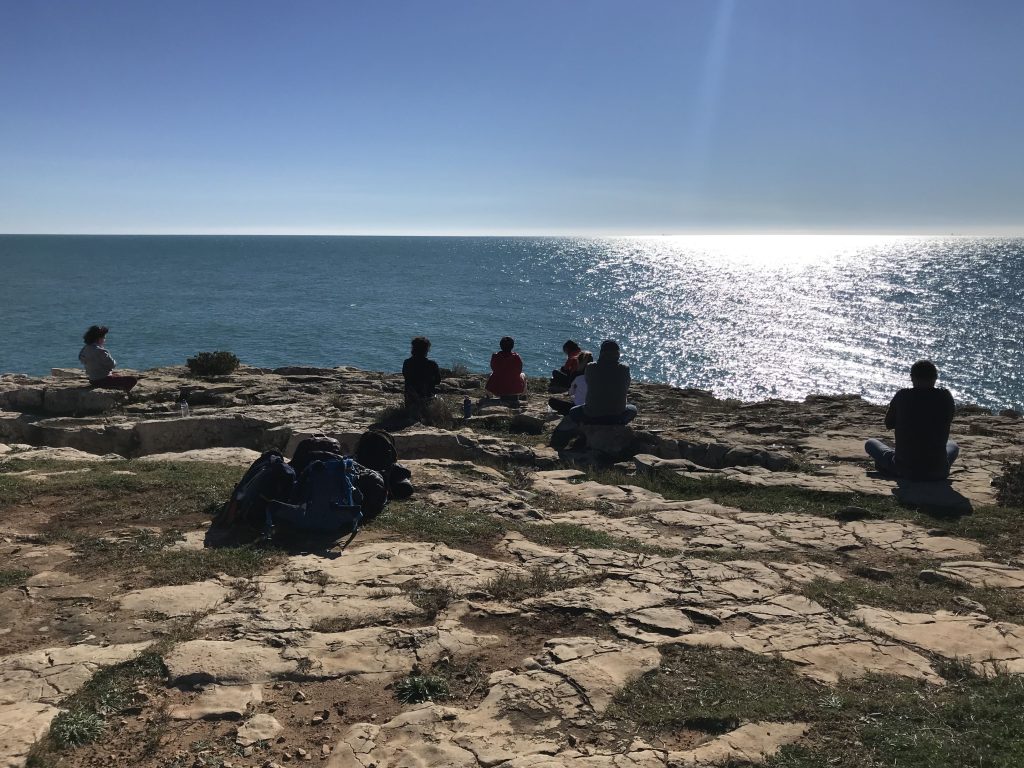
(748, 317)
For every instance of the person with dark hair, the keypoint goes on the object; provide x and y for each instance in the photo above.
(421, 374)
(921, 416)
(577, 387)
(607, 387)
(507, 378)
(99, 364)
(562, 377)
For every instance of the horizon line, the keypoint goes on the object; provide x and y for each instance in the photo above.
(997, 232)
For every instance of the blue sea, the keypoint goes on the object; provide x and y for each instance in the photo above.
(749, 317)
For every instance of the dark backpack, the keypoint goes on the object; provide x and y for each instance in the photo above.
(376, 450)
(269, 479)
(326, 500)
(373, 489)
(317, 444)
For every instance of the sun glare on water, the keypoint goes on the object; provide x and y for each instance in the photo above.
(778, 250)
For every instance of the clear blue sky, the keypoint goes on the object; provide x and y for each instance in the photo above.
(546, 116)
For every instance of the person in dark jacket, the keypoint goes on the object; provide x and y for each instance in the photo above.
(607, 386)
(99, 364)
(921, 417)
(421, 374)
(507, 378)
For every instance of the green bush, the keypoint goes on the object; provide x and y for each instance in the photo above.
(212, 364)
(76, 727)
(1010, 483)
(415, 689)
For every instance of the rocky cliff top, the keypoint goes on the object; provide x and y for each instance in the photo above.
(721, 581)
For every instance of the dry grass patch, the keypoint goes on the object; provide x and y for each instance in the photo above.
(905, 591)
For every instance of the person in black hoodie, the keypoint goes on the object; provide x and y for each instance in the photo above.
(421, 374)
(921, 417)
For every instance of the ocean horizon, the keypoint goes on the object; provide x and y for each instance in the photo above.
(746, 316)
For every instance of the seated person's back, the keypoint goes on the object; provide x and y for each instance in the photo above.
(921, 417)
(421, 373)
(506, 371)
(607, 383)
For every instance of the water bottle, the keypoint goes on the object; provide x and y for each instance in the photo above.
(467, 408)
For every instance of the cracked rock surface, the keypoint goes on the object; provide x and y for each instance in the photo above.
(301, 663)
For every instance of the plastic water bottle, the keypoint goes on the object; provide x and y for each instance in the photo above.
(184, 408)
(467, 408)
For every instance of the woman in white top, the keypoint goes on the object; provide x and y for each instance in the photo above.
(577, 387)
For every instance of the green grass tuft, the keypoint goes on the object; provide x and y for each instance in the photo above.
(76, 727)
(418, 688)
(14, 577)
(512, 587)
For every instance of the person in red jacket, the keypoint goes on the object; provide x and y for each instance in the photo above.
(507, 378)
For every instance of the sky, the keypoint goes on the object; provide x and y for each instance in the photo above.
(586, 117)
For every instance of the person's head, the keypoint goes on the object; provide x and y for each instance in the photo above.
(506, 343)
(923, 373)
(95, 334)
(585, 358)
(420, 346)
(571, 348)
(609, 351)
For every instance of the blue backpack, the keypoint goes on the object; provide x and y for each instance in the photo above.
(325, 501)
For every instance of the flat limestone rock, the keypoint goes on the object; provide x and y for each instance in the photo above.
(749, 744)
(21, 726)
(824, 648)
(47, 676)
(258, 728)
(587, 492)
(219, 702)
(182, 600)
(232, 457)
(709, 524)
(519, 722)
(370, 584)
(227, 661)
(985, 574)
(59, 454)
(992, 646)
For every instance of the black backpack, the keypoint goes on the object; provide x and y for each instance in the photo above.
(376, 450)
(373, 489)
(319, 445)
(268, 479)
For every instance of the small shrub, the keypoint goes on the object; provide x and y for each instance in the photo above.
(76, 727)
(394, 418)
(457, 371)
(418, 688)
(509, 586)
(13, 578)
(432, 601)
(438, 413)
(1010, 483)
(212, 364)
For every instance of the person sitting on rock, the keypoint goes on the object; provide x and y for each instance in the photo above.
(421, 374)
(562, 377)
(99, 364)
(577, 387)
(507, 378)
(607, 383)
(921, 417)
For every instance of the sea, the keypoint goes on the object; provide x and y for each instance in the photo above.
(747, 316)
